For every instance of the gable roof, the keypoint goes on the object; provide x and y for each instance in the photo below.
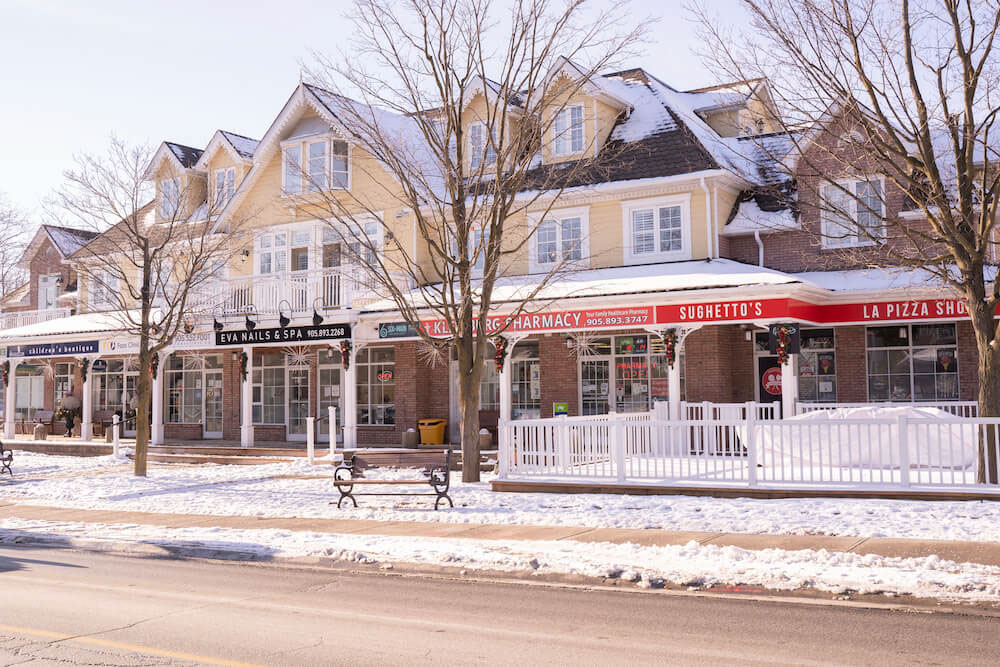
(186, 155)
(240, 147)
(66, 241)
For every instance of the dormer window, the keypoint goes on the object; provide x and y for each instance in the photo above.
(315, 164)
(480, 150)
(225, 186)
(170, 197)
(568, 129)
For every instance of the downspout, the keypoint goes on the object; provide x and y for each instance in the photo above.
(712, 242)
(715, 218)
(760, 247)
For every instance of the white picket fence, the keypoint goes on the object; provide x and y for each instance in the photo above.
(747, 451)
(957, 408)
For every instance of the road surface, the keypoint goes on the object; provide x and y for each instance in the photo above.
(58, 605)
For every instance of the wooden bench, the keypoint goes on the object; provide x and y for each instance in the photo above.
(6, 458)
(103, 419)
(434, 465)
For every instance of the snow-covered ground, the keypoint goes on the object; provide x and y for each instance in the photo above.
(266, 490)
(692, 564)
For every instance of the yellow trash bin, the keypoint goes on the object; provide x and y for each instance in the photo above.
(432, 431)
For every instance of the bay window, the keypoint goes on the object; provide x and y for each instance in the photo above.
(852, 218)
(568, 128)
(317, 164)
(912, 362)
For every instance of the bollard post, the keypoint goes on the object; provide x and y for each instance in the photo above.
(332, 414)
(311, 439)
(115, 422)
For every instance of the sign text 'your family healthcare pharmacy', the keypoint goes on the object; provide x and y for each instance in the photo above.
(557, 321)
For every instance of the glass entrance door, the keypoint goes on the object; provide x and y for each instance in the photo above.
(595, 386)
(329, 394)
(213, 404)
(298, 402)
(131, 402)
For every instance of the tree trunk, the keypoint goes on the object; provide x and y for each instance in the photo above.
(468, 402)
(144, 392)
(985, 328)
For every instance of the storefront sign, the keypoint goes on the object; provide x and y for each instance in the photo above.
(892, 311)
(771, 381)
(53, 349)
(182, 341)
(573, 320)
(794, 338)
(722, 311)
(384, 376)
(99, 365)
(559, 409)
(396, 330)
(287, 335)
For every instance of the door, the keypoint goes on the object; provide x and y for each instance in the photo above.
(329, 394)
(30, 393)
(213, 404)
(595, 386)
(298, 402)
(130, 400)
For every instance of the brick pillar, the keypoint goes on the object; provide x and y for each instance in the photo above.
(968, 361)
(707, 365)
(852, 365)
(559, 382)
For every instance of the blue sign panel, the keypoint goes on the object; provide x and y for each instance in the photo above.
(53, 349)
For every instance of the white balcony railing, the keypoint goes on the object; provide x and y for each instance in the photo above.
(26, 317)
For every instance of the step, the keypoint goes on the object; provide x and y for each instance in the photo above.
(61, 448)
(219, 460)
(198, 450)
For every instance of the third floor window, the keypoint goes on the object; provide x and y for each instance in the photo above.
(315, 165)
(568, 130)
(852, 218)
(170, 197)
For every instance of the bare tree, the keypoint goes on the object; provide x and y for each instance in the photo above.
(153, 272)
(402, 96)
(13, 231)
(906, 93)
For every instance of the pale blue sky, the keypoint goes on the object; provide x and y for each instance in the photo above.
(73, 72)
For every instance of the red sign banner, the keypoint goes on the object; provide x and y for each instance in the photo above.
(722, 311)
(570, 320)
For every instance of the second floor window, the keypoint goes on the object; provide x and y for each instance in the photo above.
(272, 253)
(851, 220)
(103, 288)
(559, 240)
(568, 128)
(656, 231)
(481, 151)
(48, 292)
(225, 186)
(316, 166)
(316, 176)
(170, 197)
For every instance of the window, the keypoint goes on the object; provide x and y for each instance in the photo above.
(817, 366)
(317, 167)
(851, 220)
(917, 362)
(103, 288)
(272, 253)
(489, 384)
(107, 385)
(376, 385)
(184, 383)
(291, 182)
(268, 391)
(339, 165)
(48, 292)
(224, 186)
(62, 383)
(562, 237)
(170, 197)
(480, 149)
(569, 131)
(656, 231)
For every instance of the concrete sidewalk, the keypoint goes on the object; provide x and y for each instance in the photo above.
(986, 553)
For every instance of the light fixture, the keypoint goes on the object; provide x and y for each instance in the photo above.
(59, 281)
(569, 342)
(284, 320)
(250, 324)
(317, 318)
(245, 254)
(188, 327)
(216, 324)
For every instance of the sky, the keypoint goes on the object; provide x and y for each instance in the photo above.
(73, 73)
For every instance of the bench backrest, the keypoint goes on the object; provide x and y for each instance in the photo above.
(44, 416)
(102, 416)
(424, 460)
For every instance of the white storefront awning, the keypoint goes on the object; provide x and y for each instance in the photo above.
(65, 326)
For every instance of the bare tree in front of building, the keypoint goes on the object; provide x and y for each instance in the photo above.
(154, 274)
(13, 231)
(402, 97)
(899, 98)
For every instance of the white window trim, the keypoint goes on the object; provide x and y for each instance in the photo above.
(558, 215)
(49, 280)
(486, 167)
(824, 214)
(684, 202)
(164, 214)
(569, 129)
(303, 145)
(225, 171)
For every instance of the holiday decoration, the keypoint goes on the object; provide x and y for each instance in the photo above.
(345, 353)
(297, 356)
(243, 366)
(784, 336)
(84, 367)
(500, 343)
(154, 365)
(584, 344)
(5, 369)
(670, 345)
(433, 354)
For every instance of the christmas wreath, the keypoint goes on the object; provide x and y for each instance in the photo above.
(670, 344)
(154, 365)
(784, 336)
(84, 367)
(345, 353)
(500, 343)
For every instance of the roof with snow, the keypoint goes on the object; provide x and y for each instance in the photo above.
(245, 146)
(74, 324)
(186, 155)
(68, 240)
(748, 217)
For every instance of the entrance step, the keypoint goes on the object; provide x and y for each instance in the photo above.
(210, 458)
(209, 450)
(61, 448)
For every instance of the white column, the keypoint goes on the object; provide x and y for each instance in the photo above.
(156, 430)
(332, 421)
(789, 387)
(246, 402)
(350, 405)
(86, 429)
(9, 407)
(674, 387)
